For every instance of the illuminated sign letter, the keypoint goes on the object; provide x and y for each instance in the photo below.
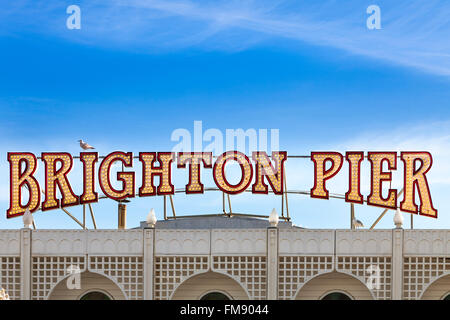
(219, 172)
(18, 179)
(321, 174)
(354, 172)
(375, 197)
(194, 159)
(127, 178)
(54, 176)
(149, 171)
(89, 159)
(416, 178)
(264, 168)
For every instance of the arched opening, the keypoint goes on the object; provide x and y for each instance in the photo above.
(333, 286)
(95, 295)
(199, 286)
(91, 286)
(438, 289)
(215, 295)
(336, 295)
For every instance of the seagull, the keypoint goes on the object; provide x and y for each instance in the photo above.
(27, 219)
(85, 145)
(357, 224)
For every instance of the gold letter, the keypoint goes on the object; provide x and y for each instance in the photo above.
(149, 171)
(194, 159)
(354, 191)
(127, 178)
(89, 159)
(264, 168)
(219, 172)
(18, 179)
(375, 197)
(321, 175)
(58, 177)
(413, 178)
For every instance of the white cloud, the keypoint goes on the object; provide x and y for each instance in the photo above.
(413, 34)
(431, 137)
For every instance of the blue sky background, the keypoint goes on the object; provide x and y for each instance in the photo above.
(137, 70)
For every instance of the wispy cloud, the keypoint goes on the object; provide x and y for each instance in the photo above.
(431, 137)
(413, 34)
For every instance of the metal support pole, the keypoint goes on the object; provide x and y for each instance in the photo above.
(286, 197)
(352, 215)
(165, 208)
(223, 203)
(73, 218)
(92, 216)
(229, 205)
(122, 221)
(84, 216)
(173, 206)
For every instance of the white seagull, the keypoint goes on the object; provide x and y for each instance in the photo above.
(85, 145)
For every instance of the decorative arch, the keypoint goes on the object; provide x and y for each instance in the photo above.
(213, 291)
(336, 291)
(437, 288)
(353, 286)
(95, 290)
(243, 285)
(204, 282)
(113, 289)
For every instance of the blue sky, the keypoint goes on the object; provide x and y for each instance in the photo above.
(137, 70)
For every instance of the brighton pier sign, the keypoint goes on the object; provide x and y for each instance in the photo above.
(262, 172)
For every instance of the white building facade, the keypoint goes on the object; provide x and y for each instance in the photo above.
(238, 263)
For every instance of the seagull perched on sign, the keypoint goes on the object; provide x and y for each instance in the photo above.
(85, 145)
(357, 224)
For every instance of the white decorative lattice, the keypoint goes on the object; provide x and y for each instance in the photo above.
(418, 272)
(248, 270)
(48, 271)
(294, 271)
(10, 276)
(170, 271)
(127, 271)
(374, 270)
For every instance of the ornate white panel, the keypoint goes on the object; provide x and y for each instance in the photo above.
(183, 242)
(426, 242)
(115, 242)
(294, 271)
(239, 241)
(250, 271)
(364, 242)
(58, 242)
(306, 242)
(9, 242)
(170, 271)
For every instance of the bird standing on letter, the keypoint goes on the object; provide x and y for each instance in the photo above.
(85, 145)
